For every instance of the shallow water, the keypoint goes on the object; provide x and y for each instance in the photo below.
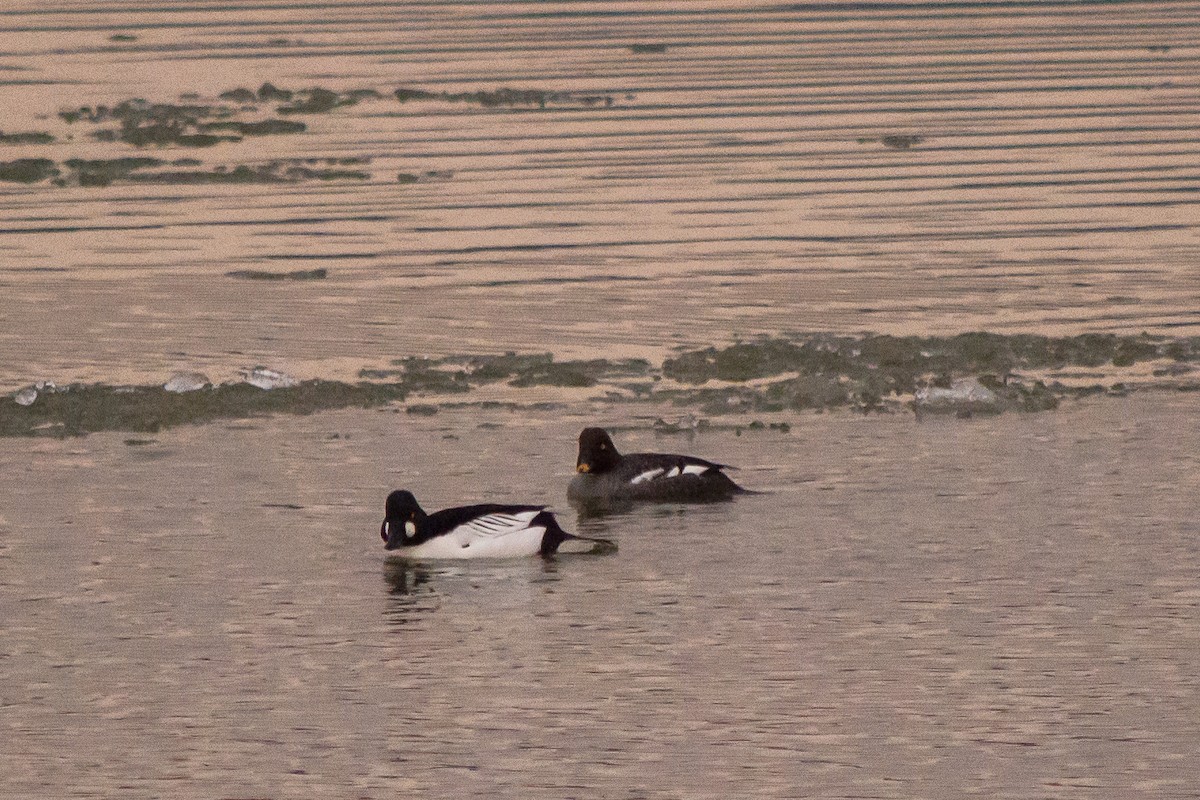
(739, 183)
(1002, 606)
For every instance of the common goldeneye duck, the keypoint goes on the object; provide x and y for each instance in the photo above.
(488, 530)
(606, 476)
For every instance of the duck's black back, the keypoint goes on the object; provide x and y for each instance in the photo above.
(450, 518)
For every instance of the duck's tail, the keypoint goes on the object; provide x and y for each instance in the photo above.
(556, 540)
(587, 545)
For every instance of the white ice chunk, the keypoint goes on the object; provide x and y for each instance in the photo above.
(265, 378)
(182, 382)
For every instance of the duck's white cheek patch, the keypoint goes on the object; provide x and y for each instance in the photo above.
(695, 469)
(410, 528)
(648, 475)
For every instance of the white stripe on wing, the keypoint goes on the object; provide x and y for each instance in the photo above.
(497, 524)
(648, 475)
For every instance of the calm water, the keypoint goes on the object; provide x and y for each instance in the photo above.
(1004, 607)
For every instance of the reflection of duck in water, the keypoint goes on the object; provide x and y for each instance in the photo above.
(488, 530)
(610, 479)
(406, 579)
(411, 592)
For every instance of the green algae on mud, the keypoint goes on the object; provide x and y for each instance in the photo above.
(896, 141)
(26, 137)
(27, 170)
(509, 97)
(142, 123)
(522, 370)
(540, 369)
(904, 358)
(102, 172)
(271, 172)
(234, 115)
(265, 275)
(266, 127)
(578, 373)
(78, 410)
(194, 122)
(318, 100)
(180, 172)
(965, 374)
(824, 370)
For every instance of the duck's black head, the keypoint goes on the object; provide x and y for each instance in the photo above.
(597, 453)
(401, 515)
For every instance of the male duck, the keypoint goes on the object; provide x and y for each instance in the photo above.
(488, 530)
(606, 476)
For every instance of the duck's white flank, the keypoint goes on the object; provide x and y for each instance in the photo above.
(489, 536)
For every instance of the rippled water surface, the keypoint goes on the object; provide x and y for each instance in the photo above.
(740, 181)
(1004, 607)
